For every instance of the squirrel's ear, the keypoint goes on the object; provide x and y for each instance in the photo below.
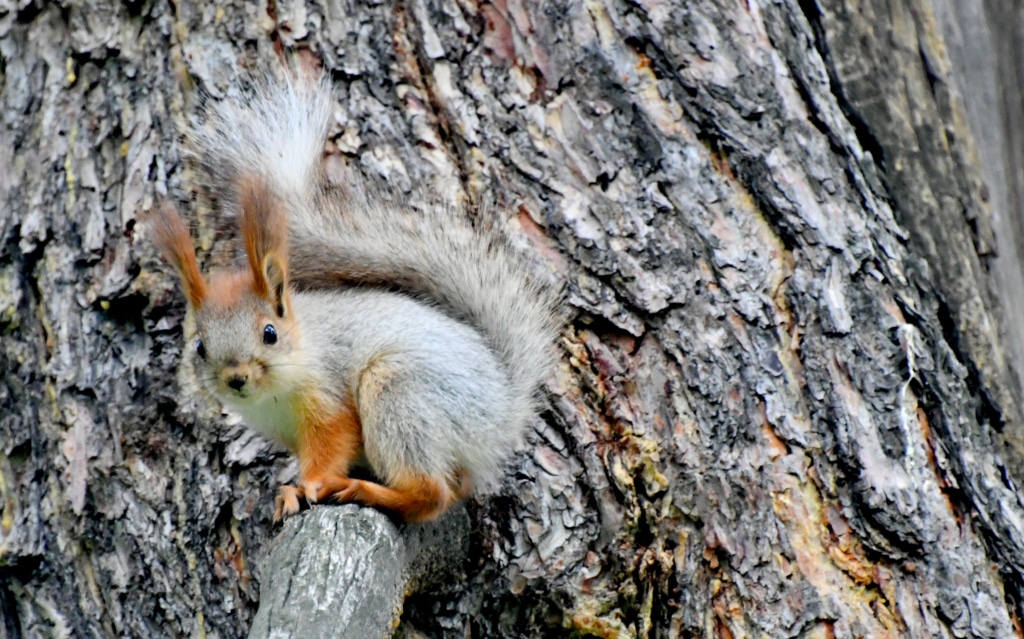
(172, 238)
(265, 231)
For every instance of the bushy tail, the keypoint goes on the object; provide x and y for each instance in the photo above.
(363, 233)
(273, 129)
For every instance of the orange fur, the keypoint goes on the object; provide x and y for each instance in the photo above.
(227, 290)
(328, 444)
(170, 233)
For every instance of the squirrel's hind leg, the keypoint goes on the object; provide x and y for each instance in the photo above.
(413, 497)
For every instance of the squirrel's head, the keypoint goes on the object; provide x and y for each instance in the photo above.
(246, 341)
(246, 336)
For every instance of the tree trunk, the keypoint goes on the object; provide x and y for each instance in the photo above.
(784, 407)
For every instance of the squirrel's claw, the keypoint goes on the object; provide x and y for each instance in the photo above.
(286, 503)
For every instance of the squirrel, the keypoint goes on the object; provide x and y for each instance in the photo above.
(364, 328)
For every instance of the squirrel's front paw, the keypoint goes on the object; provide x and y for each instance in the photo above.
(286, 503)
(340, 489)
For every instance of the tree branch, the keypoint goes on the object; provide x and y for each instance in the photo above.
(343, 571)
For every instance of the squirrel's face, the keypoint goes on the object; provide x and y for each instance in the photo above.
(244, 345)
(247, 337)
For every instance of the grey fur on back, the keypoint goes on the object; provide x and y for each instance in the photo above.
(366, 234)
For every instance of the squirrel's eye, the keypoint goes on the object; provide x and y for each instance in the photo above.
(269, 335)
(201, 350)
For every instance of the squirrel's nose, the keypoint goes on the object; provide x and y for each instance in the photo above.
(236, 382)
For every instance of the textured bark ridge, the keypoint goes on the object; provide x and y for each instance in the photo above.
(784, 408)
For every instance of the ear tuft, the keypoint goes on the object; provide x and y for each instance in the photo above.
(171, 236)
(265, 232)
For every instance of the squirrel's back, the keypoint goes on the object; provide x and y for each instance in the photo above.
(450, 407)
(367, 234)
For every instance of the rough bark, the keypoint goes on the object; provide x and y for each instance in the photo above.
(784, 407)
